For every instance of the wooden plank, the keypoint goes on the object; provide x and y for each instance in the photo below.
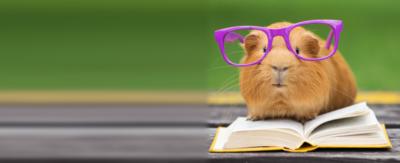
(224, 115)
(143, 115)
(103, 115)
(320, 155)
(105, 144)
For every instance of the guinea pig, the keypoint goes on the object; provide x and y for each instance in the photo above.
(284, 86)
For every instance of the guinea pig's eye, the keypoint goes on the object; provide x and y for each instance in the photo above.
(264, 49)
(297, 50)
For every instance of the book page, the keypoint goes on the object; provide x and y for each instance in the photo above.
(242, 124)
(347, 112)
(348, 126)
(363, 140)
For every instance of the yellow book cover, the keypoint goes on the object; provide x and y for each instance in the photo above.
(303, 148)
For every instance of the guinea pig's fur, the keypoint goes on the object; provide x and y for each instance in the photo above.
(303, 89)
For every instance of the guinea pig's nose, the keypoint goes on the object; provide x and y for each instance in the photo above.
(280, 74)
(280, 68)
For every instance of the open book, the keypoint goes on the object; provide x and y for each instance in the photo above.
(352, 127)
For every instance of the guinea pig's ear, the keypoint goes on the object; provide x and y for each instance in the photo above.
(310, 45)
(252, 42)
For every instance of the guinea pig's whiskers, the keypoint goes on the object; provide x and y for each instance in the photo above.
(229, 83)
(227, 88)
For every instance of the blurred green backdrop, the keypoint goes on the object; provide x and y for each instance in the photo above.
(95, 44)
(169, 45)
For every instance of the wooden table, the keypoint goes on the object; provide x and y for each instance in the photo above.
(151, 133)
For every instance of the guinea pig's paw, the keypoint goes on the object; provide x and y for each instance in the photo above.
(302, 120)
(253, 118)
(306, 118)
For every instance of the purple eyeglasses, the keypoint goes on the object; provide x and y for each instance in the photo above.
(230, 40)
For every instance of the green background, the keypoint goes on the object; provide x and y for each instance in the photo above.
(169, 45)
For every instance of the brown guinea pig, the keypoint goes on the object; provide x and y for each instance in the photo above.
(283, 86)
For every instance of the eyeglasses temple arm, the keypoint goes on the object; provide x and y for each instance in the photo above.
(328, 41)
